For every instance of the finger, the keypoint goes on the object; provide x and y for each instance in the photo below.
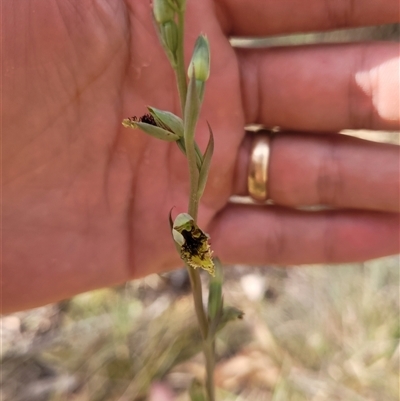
(267, 17)
(326, 88)
(333, 170)
(260, 235)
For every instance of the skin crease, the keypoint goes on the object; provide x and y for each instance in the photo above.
(85, 202)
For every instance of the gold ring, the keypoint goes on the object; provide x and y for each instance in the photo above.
(257, 178)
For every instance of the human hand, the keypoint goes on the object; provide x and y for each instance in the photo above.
(86, 202)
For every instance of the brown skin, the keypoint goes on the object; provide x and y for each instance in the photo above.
(86, 201)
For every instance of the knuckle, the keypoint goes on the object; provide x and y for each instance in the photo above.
(340, 13)
(328, 183)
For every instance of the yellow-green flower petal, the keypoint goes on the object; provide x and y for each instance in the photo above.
(195, 247)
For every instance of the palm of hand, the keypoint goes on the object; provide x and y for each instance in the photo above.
(101, 194)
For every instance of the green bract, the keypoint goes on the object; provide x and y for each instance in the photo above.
(192, 110)
(215, 302)
(205, 166)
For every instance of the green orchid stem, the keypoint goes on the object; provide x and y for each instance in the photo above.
(198, 301)
(209, 352)
(180, 65)
(195, 159)
(208, 341)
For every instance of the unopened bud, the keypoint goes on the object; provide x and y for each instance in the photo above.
(200, 63)
(162, 11)
(167, 120)
(169, 32)
(148, 125)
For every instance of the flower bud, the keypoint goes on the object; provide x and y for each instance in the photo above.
(200, 63)
(162, 11)
(169, 33)
(167, 120)
(148, 125)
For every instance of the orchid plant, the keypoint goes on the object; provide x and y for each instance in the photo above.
(190, 240)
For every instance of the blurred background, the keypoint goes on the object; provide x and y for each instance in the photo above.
(309, 332)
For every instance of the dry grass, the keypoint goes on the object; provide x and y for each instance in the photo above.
(309, 333)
